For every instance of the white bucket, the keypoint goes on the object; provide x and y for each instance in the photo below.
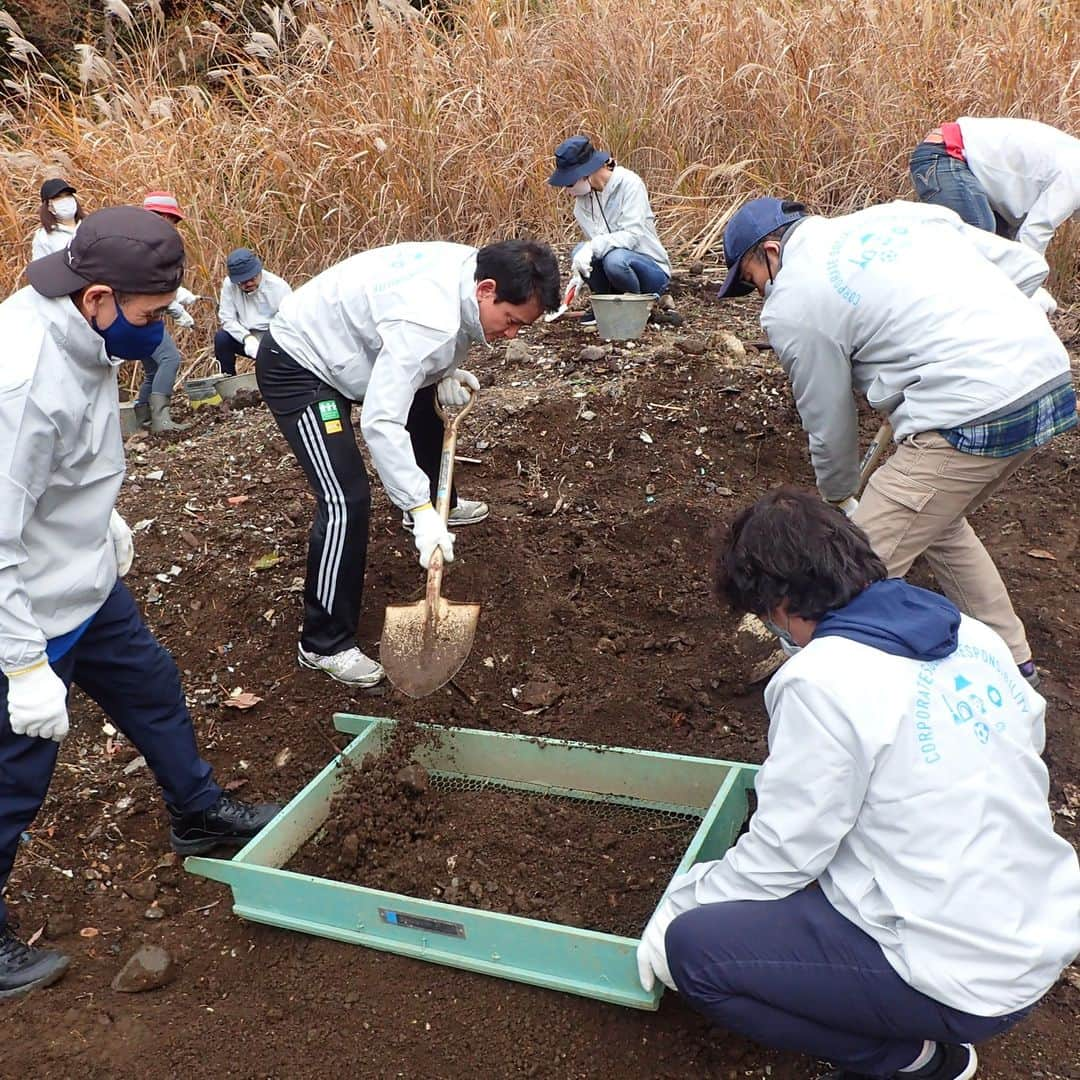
(622, 316)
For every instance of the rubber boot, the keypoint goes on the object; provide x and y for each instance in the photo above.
(160, 419)
(142, 413)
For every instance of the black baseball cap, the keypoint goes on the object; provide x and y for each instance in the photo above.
(125, 247)
(57, 186)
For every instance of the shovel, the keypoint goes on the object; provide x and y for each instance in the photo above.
(424, 644)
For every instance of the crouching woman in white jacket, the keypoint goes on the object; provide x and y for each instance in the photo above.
(901, 892)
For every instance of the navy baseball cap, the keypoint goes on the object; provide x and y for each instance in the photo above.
(243, 265)
(574, 158)
(748, 226)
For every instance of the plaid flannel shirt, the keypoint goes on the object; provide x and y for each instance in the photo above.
(1024, 429)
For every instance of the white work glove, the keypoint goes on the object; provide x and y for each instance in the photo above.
(456, 388)
(123, 544)
(1045, 301)
(582, 261)
(37, 702)
(651, 956)
(429, 533)
(251, 345)
(848, 505)
(184, 319)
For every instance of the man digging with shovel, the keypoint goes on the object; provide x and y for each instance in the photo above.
(65, 616)
(930, 319)
(388, 328)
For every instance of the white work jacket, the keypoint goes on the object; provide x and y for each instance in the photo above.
(378, 327)
(621, 216)
(914, 794)
(1029, 171)
(926, 316)
(241, 313)
(61, 467)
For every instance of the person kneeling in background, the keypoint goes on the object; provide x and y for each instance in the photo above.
(250, 298)
(622, 252)
(901, 892)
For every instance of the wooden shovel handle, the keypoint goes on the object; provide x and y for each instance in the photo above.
(873, 454)
(442, 497)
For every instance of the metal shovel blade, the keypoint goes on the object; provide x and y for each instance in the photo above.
(424, 645)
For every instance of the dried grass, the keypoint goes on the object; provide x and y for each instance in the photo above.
(325, 129)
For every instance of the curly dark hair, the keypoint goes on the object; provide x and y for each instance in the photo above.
(790, 545)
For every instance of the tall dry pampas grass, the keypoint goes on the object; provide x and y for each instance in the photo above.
(328, 128)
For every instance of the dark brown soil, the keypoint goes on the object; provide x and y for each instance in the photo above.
(591, 575)
(594, 865)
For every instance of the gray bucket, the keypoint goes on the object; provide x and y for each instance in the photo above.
(622, 317)
(202, 391)
(128, 424)
(229, 385)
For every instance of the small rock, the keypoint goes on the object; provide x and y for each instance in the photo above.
(591, 353)
(152, 913)
(517, 351)
(696, 268)
(692, 346)
(476, 890)
(169, 904)
(59, 925)
(414, 778)
(274, 1015)
(665, 303)
(732, 345)
(147, 969)
(140, 890)
(540, 695)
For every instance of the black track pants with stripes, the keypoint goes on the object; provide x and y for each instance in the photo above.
(316, 421)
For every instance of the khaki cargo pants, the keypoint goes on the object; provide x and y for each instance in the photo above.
(917, 504)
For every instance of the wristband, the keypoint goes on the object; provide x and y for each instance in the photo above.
(30, 667)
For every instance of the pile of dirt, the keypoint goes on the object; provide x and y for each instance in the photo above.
(594, 865)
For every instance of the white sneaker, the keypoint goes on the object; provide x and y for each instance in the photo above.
(467, 512)
(351, 666)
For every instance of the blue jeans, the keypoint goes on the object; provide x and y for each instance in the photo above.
(943, 180)
(160, 370)
(624, 271)
(796, 975)
(120, 664)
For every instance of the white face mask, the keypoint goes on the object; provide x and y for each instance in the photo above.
(64, 209)
(580, 187)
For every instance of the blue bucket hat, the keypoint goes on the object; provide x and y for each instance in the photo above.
(243, 264)
(748, 226)
(574, 158)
